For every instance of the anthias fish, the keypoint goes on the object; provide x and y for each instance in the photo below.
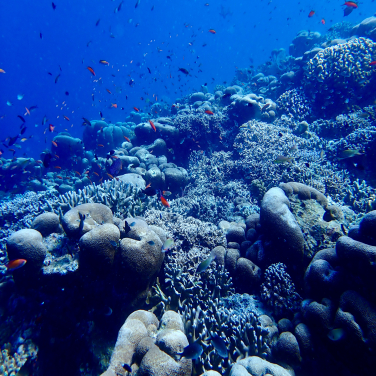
(15, 264)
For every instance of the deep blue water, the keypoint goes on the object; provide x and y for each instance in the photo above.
(246, 33)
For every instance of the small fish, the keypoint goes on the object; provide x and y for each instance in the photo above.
(97, 23)
(219, 345)
(132, 224)
(110, 176)
(24, 139)
(21, 118)
(2, 70)
(183, 70)
(322, 21)
(212, 31)
(20, 96)
(168, 245)
(265, 106)
(127, 367)
(91, 70)
(15, 264)
(151, 242)
(148, 186)
(51, 128)
(57, 167)
(137, 3)
(136, 109)
(127, 138)
(209, 112)
(9, 103)
(53, 6)
(104, 62)
(347, 11)
(114, 244)
(57, 78)
(283, 159)
(205, 264)
(311, 13)
(54, 143)
(66, 118)
(164, 202)
(372, 63)
(76, 172)
(192, 351)
(351, 4)
(44, 121)
(86, 121)
(336, 334)
(349, 153)
(108, 91)
(100, 145)
(153, 126)
(114, 105)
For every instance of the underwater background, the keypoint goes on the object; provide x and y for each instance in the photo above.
(187, 188)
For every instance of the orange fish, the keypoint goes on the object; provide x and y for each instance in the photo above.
(209, 112)
(57, 156)
(58, 176)
(66, 118)
(323, 21)
(114, 105)
(311, 13)
(212, 31)
(152, 125)
(127, 139)
(104, 62)
(164, 202)
(100, 167)
(54, 144)
(148, 186)
(372, 63)
(58, 167)
(351, 4)
(100, 179)
(100, 145)
(96, 173)
(15, 264)
(2, 70)
(110, 176)
(87, 172)
(27, 110)
(108, 91)
(77, 173)
(91, 70)
(136, 109)
(51, 127)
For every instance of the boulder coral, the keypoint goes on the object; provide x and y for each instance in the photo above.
(151, 347)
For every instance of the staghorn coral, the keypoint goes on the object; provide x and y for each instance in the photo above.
(278, 290)
(259, 144)
(340, 74)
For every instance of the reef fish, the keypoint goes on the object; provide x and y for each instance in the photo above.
(91, 70)
(336, 334)
(349, 153)
(153, 126)
(205, 264)
(164, 202)
(168, 245)
(311, 13)
(351, 4)
(15, 264)
(219, 345)
(183, 70)
(192, 351)
(347, 11)
(283, 159)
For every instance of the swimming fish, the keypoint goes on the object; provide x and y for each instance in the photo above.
(283, 159)
(82, 222)
(91, 70)
(311, 13)
(336, 334)
(51, 128)
(20, 96)
(372, 63)
(127, 138)
(219, 345)
(104, 62)
(151, 242)
(322, 21)
(183, 70)
(114, 244)
(349, 153)
(114, 105)
(347, 11)
(127, 367)
(209, 112)
(212, 31)
(2, 70)
(351, 4)
(164, 202)
(205, 264)
(86, 121)
(153, 126)
(168, 245)
(192, 351)
(15, 264)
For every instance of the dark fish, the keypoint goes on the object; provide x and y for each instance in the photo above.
(336, 334)
(151, 242)
(132, 224)
(44, 121)
(40, 36)
(131, 82)
(97, 23)
(183, 70)
(149, 191)
(33, 108)
(114, 244)
(149, 70)
(116, 166)
(47, 160)
(127, 367)
(12, 140)
(220, 345)
(23, 130)
(347, 11)
(82, 222)
(86, 121)
(349, 153)
(205, 264)
(126, 227)
(53, 6)
(192, 351)
(21, 118)
(137, 3)
(66, 93)
(57, 78)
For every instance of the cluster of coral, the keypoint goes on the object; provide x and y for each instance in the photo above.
(233, 234)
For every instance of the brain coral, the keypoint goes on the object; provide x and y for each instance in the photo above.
(340, 74)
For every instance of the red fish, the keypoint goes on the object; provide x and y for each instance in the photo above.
(372, 63)
(323, 21)
(66, 118)
(91, 70)
(27, 110)
(212, 31)
(136, 109)
(209, 112)
(311, 13)
(77, 173)
(110, 176)
(54, 144)
(114, 105)
(101, 146)
(127, 138)
(351, 4)
(15, 264)
(108, 91)
(164, 202)
(51, 127)
(58, 167)
(152, 125)
(95, 173)
(148, 186)
(104, 62)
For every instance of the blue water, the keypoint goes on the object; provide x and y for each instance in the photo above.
(246, 33)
